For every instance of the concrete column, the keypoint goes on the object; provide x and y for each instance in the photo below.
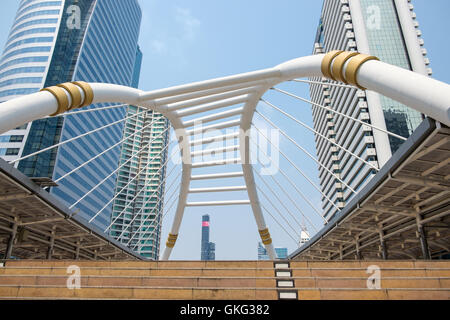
(423, 239)
(11, 240)
(384, 252)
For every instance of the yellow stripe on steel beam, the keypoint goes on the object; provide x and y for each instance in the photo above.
(338, 65)
(353, 66)
(326, 62)
(60, 93)
(61, 98)
(88, 92)
(74, 93)
(171, 240)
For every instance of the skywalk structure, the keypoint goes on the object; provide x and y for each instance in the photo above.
(412, 186)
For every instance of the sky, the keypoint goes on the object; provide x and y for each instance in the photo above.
(186, 41)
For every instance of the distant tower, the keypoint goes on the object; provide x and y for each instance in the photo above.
(304, 237)
(208, 250)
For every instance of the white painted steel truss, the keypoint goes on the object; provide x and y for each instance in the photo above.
(424, 94)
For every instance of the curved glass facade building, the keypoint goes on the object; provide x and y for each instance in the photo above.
(52, 42)
(25, 61)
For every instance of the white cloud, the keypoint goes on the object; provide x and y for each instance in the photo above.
(159, 46)
(189, 23)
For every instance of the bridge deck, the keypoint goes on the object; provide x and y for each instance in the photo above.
(415, 181)
(37, 214)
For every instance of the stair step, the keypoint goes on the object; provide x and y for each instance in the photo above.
(235, 280)
(136, 281)
(55, 292)
(144, 272)
(366, 294)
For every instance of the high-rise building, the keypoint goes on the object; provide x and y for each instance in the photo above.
(384, 28)
(137, 209)
(208, 249)
(280, 252)
(52, 42)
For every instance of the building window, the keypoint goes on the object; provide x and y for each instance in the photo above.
(12, 151)
(16, 139)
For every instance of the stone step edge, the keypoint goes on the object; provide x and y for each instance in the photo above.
(223, 288)
(239, 269)
(221, 277)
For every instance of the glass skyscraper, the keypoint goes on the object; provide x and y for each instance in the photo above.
(383, 28)
(208, 249)
(52, 42)
(138, 206)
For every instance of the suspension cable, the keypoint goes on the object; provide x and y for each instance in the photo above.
(149, 199)
(287, 194)
(76, 138)
(118, 193)
(325, 83)
(112, 173)
(152, 211)
(264, 208)
(158, 224)
(315, 132)
(298, 169)
(340, 113)
(104, 152)
(292, 183)
(142, 189)
(88, 110)
(268, 199)
(307, 153)
(279, 200)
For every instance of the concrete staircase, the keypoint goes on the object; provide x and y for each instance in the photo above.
(236, 280)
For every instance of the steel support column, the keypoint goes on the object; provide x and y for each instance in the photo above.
(12, 238)
(52, 244)
(358, 252)
(423, 238)
(77, 251)
(384, 252)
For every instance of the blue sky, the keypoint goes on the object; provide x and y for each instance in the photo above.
(185, 41)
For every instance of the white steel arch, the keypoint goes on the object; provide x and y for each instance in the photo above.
(422, 93)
